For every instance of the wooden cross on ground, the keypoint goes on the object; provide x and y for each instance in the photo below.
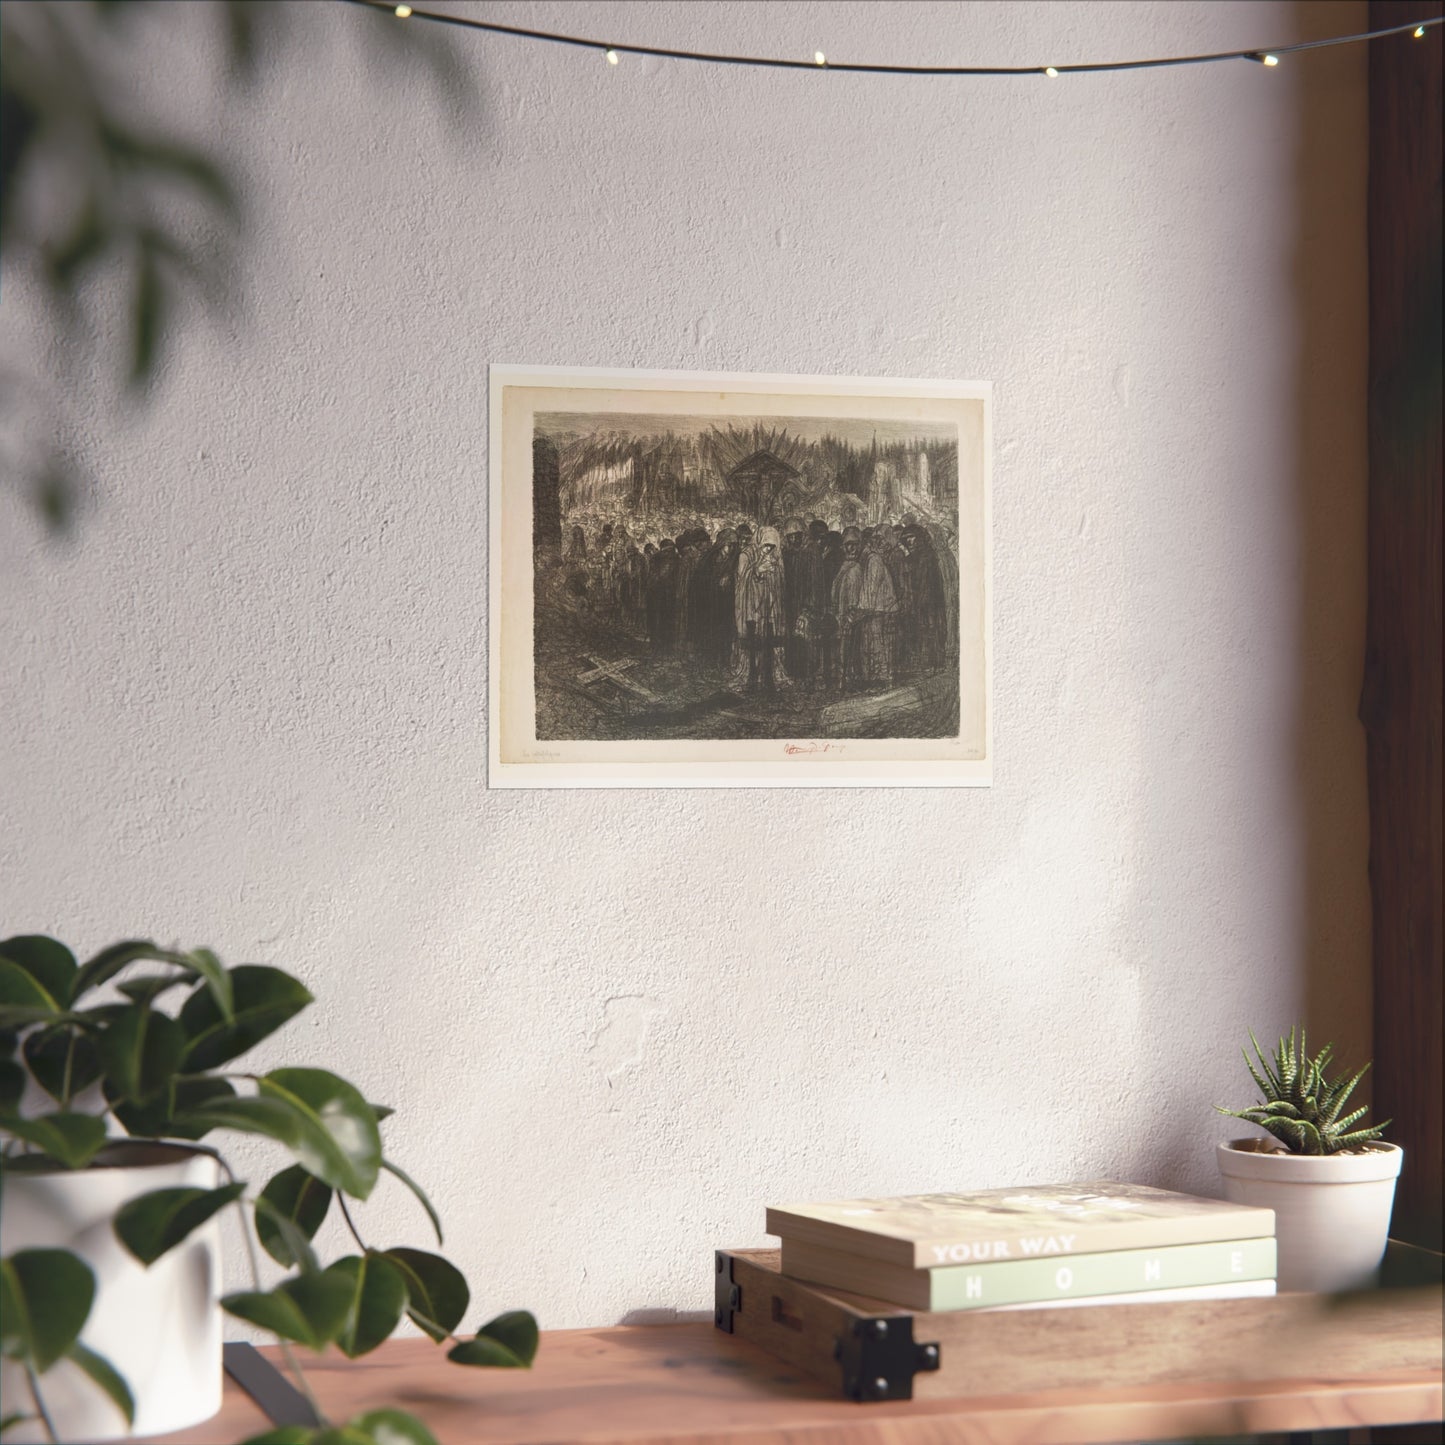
(614, 672)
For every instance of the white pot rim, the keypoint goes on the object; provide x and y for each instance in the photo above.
(115, 1153)
(1254, 1158)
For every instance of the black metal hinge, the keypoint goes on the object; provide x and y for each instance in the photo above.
(727, 1296)
(880, 1358)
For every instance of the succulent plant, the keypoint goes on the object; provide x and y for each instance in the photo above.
(1301, 1107)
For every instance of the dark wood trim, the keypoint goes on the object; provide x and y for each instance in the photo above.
(1401, 698)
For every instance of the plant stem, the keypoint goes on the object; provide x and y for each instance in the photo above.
(346, 1215)
(69, 1067)
(39, 1403)
(292, 1363)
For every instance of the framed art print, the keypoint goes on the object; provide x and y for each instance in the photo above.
(732, 579)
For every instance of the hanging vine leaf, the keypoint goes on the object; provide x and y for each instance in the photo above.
(378, 1296)
(339, 1142)
(507, 1342)
(104, 1374)
(437, 1293)
(296, 1196)
(392, 1427)
(310, 1310)
(152, 1224)
(45, 1299)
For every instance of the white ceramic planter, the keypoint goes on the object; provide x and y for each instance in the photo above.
(1331, 1212)
(160, 1327)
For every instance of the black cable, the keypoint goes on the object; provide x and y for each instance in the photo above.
(1259, 54)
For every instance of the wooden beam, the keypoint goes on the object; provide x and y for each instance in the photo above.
(1400, 703)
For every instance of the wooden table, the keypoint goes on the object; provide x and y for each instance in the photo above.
(670, 1384)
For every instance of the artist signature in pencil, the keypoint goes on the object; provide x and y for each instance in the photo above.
(794, 750)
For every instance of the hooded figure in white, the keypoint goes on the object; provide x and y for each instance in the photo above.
(759, 604)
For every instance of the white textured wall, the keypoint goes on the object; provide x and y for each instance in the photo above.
(245, 706)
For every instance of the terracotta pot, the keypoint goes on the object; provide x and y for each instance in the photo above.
(1331, 1211)
(160, 1327)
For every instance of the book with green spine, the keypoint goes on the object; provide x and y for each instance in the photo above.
(923, 1231)
(1034, 1281)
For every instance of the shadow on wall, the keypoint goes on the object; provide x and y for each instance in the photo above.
(1325, 915)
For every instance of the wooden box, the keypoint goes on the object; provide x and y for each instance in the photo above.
(871, 1350)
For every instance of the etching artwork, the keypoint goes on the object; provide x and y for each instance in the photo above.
(746, 576)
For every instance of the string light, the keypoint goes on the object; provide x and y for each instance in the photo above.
(1260, 56)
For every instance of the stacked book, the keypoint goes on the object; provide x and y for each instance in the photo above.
(1031, 1247)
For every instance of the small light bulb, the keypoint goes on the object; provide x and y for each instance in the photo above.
(1419, 32)
(612, 57)
(819, 58)
(1051, 72)
(402, 11)
(1271, 60)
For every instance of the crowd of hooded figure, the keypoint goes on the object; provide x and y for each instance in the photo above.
(797, 605)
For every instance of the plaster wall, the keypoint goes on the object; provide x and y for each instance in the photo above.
(243, 705)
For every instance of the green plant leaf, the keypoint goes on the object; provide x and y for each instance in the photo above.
(382, 1111)
(341, 1435)
(52, 1054)
(109, 962)
(141, 1051)
(12, 1086)
(296, 1243)
(45, 1299)
(392, 1427)
(269, 1117)
(507, 1342)
(310, 1310)
(340, 1143)
(73, 1139)
(151, 1224)
(14, 1325)
(104, 1374)
(187, 1094)
(416, 1189)
(164, 1116)
(23, 999)
(148, 989)
(437, 1293)
(50, 964)
(211, 969)
(1360, 1136)
(378, 1296)
(298, 1197)
(264, 998)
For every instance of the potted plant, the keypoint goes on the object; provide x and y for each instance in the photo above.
(113, 1086)
(1331, 1185)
